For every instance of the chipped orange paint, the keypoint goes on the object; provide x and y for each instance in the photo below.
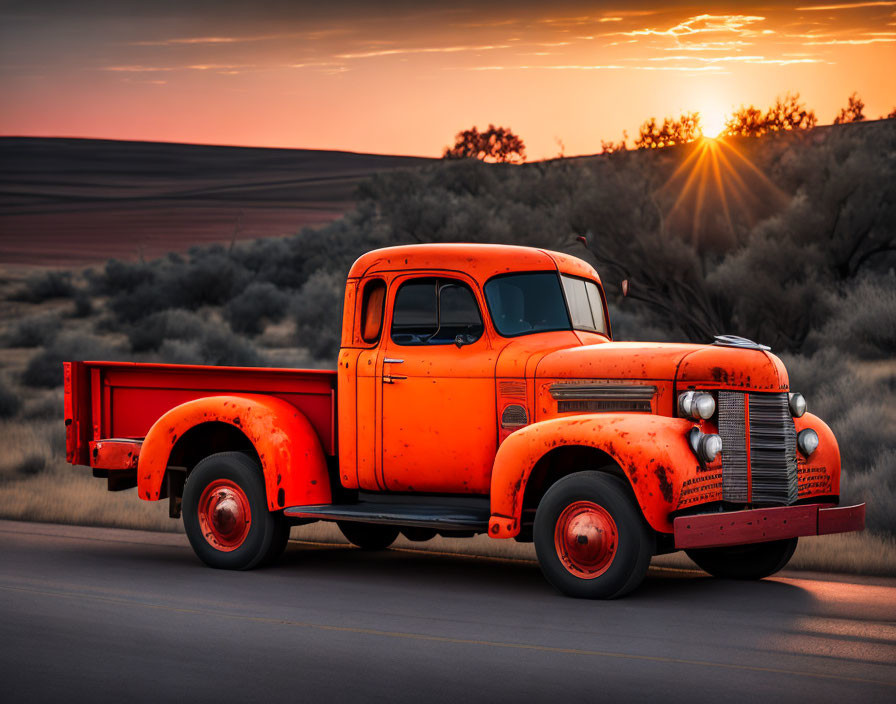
(295, 470)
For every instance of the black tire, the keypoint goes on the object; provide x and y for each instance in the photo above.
(745, 561)
(634, 541)
(238, 472)
(368, 536)
(280, 539)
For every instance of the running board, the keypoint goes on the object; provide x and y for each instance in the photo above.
(439, 517)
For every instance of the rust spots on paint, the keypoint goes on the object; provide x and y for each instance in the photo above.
(719, 374)
(662, 474)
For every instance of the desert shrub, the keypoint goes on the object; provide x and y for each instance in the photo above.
(175, 324)
(83, 304)
(317, 310)
(216, 345)
(863, 319)
(44, 369)
(876, 487)
(46, 286)
(9, 402)
(259, 303)
(118, 276)
(34, 331)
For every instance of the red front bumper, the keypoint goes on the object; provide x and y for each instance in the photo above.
(712, 530)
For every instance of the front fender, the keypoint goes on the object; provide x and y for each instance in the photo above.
(291, 456)
(652, 451)
(819, 475)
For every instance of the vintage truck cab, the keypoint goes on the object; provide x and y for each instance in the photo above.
(478, 390)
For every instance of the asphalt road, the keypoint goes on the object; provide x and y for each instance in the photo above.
(107, 615)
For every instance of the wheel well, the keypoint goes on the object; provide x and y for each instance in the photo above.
(197, 443)
(563, 461)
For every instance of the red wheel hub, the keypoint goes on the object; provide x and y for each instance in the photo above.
(586, 539)
(224, 515)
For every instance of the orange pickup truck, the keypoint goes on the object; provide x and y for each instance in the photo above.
(478, 390)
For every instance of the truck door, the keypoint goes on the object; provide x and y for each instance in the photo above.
(437, 369)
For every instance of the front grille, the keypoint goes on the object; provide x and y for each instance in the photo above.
(771, 448)
(733, 429)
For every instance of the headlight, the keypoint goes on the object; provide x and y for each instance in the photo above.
(797, 405)
(706, 447)
(807, 441)
(696, 405)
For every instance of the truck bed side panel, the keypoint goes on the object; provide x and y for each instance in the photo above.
(123, 400)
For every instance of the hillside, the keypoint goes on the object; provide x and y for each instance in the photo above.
(78, 201)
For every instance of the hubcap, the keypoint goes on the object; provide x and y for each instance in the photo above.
(224, 515)
(586, 539)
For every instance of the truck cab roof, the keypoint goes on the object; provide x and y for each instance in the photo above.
(481, 261)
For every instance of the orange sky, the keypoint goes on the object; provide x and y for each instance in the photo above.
(403, 77)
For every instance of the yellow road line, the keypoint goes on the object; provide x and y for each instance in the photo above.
(455, 641)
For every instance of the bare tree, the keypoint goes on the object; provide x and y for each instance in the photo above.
(787, 114)
(652, 135)
(853, 112)
(497, 144)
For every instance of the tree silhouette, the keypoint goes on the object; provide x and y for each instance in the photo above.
(652, 135)
(788, 113)
(497, 144)
(853, 112)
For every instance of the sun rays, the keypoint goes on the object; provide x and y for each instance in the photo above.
(715, 190)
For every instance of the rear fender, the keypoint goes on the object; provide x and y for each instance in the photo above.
(652, 451)
(291, 456)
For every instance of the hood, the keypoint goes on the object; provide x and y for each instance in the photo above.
(698, 365)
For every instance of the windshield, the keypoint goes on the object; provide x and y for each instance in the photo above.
(534, 302)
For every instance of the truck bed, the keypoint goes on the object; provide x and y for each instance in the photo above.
(122, 400)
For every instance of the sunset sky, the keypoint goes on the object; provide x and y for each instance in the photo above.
(404, 77)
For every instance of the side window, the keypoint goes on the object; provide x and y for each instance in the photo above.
(372, 305)
(433, 311)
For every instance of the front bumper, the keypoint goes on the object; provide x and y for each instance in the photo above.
(712, 530)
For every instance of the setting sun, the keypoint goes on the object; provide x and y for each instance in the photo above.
(712, 123)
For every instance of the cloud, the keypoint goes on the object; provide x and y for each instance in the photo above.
(851, 42)
(701, 24)
(738, 59)
(846, 6)
(422, 50)
(595, 67)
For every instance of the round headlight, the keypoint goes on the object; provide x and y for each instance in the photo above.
(807, 441)
(696, 405)
(797, 405)
(710, 447)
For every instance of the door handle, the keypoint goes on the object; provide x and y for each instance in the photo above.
(389, 379)
(389, 360)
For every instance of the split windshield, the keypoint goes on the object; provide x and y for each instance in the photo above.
(539, 302)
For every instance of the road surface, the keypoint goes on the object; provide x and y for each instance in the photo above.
(110, 615)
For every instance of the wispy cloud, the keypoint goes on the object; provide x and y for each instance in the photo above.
(423, 50)
(847, 6)
(851, 42)
(702, 24)
(736, 59)
(594, 67)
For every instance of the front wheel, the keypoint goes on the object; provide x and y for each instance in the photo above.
(591, 539)
(226, 515)
(745, 561)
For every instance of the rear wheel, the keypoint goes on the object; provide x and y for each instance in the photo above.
(369, 536)
(745, 561)
(225, 512)
(590, 538)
